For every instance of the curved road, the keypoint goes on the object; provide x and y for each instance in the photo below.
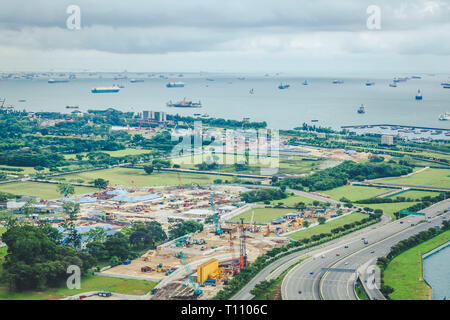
(306, 281)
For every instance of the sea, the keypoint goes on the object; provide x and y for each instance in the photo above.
(436, 272)
(228, 96)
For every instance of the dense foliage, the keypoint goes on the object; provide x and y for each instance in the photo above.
(347, 171)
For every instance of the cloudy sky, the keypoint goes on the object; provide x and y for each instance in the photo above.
(320, 37)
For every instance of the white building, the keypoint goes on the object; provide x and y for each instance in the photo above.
(387, 140)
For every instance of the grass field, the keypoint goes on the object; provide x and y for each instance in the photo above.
(416, 194)
(354, 193)
(292, 200)
(326, 228)
(89, 283)
(26, 170)
(430, 177)
(293, 165)
(390, 208)
(117, 153)
(44, 191)
(404, 273)
(262, 215)
(138, 177)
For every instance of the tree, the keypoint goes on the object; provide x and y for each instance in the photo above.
(148, 169)
(183, 228)
(117, 245)
(65, 189)
(322, 220)
(101, 183)
(97, 234)
(305, 223)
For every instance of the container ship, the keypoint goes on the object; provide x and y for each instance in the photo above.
(175, 85)
(184, 104)
(105, 89)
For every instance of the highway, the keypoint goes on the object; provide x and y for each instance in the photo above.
(306, 281)
(279, 266)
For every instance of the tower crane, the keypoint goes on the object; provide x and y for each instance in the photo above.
(195, 286)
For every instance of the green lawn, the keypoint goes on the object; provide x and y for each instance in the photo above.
(416, 194)
(326, 228)
(390, 208)
(26, 170)
(117, 153)
(138, 177)
(89, 283)
(430, 177)
(45, 191)
(405, 275)
(262, 215)
(354, 193)
(292, 200)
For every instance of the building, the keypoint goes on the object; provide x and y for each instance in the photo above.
(387, 140)
(321, 135)
(159, 116)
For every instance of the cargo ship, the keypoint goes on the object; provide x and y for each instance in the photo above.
(57, 80)
(184, 104)
(105, 89)
(419, 95)
(175, 85)
(283, 86)
(361, 109)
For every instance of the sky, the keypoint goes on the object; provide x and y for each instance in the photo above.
(315, 37)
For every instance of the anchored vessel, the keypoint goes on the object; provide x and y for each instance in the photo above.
(283, 86)
(105, 89)
(57, 80)
(418, 95)
(361, 109)
(184, 104)
(445, 116)
(175, 85)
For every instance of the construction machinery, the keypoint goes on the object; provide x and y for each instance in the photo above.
(243, 251)
(233, 258)
(195, 286)
(268, 231)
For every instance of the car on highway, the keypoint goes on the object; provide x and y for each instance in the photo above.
(299, 292)
(346, 247)
(346, 263)
(311, 272)
(323, 257)
(373, 251)
(401, 222)
(337, 254)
